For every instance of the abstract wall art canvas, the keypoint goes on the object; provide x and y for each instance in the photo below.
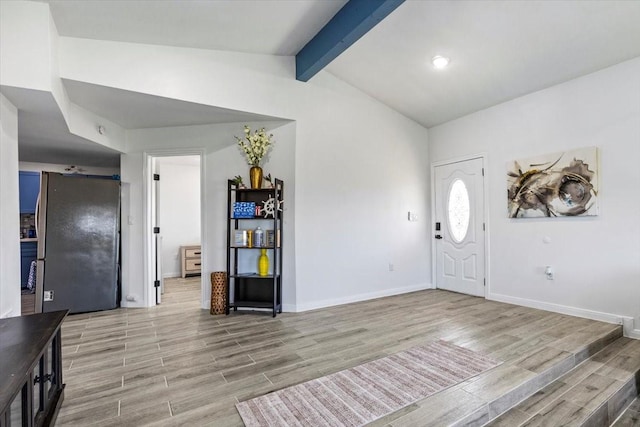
(554, 185)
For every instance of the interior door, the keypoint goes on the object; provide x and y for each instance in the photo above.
(459, 227)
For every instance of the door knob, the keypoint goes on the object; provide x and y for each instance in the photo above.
(438, 236)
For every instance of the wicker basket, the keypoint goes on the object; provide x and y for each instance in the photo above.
(218, 292)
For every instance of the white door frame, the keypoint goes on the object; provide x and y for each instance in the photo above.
(147, 182)
(487, 233)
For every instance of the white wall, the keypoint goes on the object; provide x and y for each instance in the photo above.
(597, 259)
(134, 293)
(222, 161)
(29, 58)
(359, 166)
(351, 155)
(359, 170)
(338, 235)
(25, 45)
(9, 211)
(179, 208)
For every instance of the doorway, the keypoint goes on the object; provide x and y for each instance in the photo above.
(176, 242)
(459, 226)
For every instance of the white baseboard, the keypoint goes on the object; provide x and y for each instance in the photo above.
(634, 333)
(136, 304)
(289, 308)
(171, 275)
(626, 322)
(355, 298)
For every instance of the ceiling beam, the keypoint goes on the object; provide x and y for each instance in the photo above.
(351, 22)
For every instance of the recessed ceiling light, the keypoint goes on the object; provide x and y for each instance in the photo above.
(440, 62)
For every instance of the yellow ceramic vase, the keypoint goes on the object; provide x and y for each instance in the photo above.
(255, 177)
(263, 263)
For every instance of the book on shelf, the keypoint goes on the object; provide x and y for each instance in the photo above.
(272, 239)
(244, 209)
(239, 237)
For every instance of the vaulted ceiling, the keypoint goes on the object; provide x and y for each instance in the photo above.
(499, 50)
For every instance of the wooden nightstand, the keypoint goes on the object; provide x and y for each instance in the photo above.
(191, 259)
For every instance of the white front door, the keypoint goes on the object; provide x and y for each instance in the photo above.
(459, 227)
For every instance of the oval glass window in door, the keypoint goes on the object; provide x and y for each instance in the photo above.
(458, 210)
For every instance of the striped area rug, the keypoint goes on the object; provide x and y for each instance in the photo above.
(362, 394)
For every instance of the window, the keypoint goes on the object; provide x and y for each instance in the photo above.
(458, 209)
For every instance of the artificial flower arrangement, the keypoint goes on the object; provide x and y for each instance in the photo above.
(269, 180)
(237, 180)
(255, 145)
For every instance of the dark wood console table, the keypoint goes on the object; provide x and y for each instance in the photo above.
(31, 388)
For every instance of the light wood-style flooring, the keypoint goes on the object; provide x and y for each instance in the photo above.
(28, 302)
(176, 364)
(630, 417)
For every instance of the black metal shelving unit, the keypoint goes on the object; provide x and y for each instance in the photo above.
(246, 289)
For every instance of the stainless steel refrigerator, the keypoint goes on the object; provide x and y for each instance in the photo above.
(78, 244)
